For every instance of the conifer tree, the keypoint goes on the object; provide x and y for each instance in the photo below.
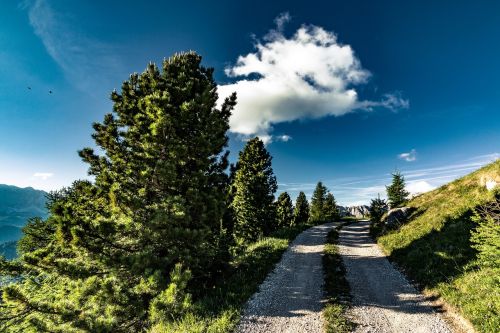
(331, 211)
(301, 212)
(485, 238)
(318, 199)
(396, 193)
(126, 246)
(284, 211)
(377, 208)
(254, 186)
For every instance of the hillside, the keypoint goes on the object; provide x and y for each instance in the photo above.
(17, 205)
(435, 249)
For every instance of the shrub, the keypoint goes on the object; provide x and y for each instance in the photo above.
(486, 237)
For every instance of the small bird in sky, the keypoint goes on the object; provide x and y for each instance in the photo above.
(29, 88)
(50, 91)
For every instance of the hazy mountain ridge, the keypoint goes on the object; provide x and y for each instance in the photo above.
(17, 205)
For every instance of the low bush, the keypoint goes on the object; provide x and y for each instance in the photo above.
(219, 310)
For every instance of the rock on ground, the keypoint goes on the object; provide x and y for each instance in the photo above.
(383, 300)
(397, 216)
(291, 297)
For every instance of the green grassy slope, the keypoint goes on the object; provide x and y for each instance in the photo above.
(434, 248)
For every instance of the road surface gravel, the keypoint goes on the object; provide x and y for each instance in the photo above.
(383, 300)
(291, 298)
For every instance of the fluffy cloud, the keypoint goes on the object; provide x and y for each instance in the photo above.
(283, 138)
(420, 186)
(43, 175)
(409, 157)
(309, 75)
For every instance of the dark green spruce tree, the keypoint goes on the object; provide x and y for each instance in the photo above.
(377, 208)
(284, 211)
(396, 192)
(331, 211)
(117, 254)
(317, 213)
(254, 188)
(301, 212)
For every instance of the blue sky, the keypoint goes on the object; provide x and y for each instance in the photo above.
(343, 91)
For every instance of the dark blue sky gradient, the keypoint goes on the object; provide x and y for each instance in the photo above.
(443, 56)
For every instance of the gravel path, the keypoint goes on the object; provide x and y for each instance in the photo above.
(383, 300)
(290, 299)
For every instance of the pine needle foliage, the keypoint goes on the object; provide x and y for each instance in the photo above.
(323, 205)
(396, 192)
(486, 236)
(331, 211)
(377, 208)
(284, 211)
(301, 211)
(118, 254)
(254, 187)
(317, 213)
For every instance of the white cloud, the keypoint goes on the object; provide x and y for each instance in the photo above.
(281, 20)
(283, 138)
(267, 138)
(85, 61)
(420, 186)
(43, 175)
(309, 75)
(409, 157)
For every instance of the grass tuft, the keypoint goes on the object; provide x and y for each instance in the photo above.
(336, 288)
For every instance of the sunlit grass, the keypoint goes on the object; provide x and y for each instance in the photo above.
(220, 309)
(434, 248)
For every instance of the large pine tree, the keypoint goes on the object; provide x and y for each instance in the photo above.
(301, 212)
(318, 199)
(284, 210)
(125, 246)
(254, 186)
(396, 192)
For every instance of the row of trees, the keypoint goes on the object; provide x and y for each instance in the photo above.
(126, 252)
(323, 205)
(255, 212)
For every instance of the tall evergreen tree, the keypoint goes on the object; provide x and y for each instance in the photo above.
(254, 186)
(396, 192)
(125, 246)
(318, 199)
(331, 211)
(284, 210)
(301, 212)
(229, 219)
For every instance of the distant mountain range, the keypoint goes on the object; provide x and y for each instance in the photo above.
(17, 205)
(355, 211)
